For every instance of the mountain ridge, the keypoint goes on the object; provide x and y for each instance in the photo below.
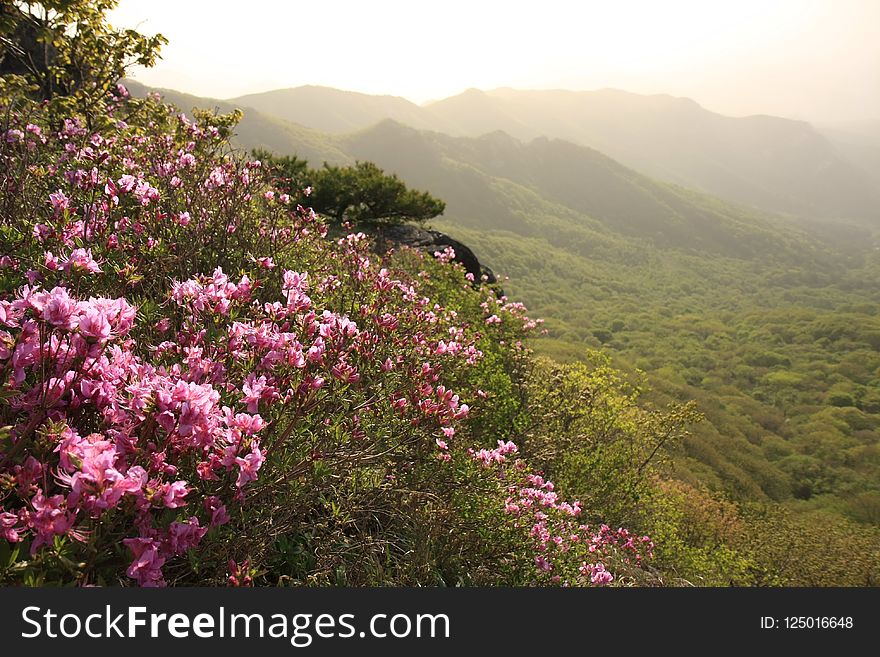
(334, 110)
(550, 174)
(777, 164)
(256, 130)
(768, 162)
(583, 180)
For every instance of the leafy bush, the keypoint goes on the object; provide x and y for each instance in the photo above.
(589, 431)
(361, 195)
(199, 385)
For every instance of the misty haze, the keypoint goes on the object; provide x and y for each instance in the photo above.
(330, 294)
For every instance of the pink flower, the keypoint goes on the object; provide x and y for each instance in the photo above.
(253, 389)
(205, 470)
(183, 536)
(10, 527)
(215, 507)
(294, 281)
(249, 466)
(59, 201)
(93, 323)
(13, 135)
(316, 351)
(145, 193)
(147, 565)
(597, 573)
(51, 262)
(126, 183)
(247, 424)
(81, 260)
(345, 372)
(171, 495)
(96, 484)
(42, 232)
(50, 518)
(507, 448)
(445, 256)
(543, 564)
(59, 309)
(186, 160)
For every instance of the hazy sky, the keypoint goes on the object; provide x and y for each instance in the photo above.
(810, 59)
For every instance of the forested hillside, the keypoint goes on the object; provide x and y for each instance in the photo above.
(774, 330)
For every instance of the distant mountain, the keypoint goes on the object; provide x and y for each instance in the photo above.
(335, 111)
(859, 143)
(473, 175)
(499, 182)
(768, 162)
(257, 130)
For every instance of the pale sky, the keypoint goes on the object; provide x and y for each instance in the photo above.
(811, 59)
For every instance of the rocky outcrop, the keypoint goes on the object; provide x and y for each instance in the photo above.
(430, 241)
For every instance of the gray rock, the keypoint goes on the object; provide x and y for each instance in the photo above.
(430, 241)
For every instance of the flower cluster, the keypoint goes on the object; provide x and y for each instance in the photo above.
(180, 343)
(142, 434)
(493, 305)
(97, 429)
(566, 550)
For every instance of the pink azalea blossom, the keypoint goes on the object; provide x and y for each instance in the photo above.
(146, 567)
(249, 465)
(81, 260)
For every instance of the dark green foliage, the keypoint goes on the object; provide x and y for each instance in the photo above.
(64, 51)
(361, 194)
(289, 172)
(364, 194)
